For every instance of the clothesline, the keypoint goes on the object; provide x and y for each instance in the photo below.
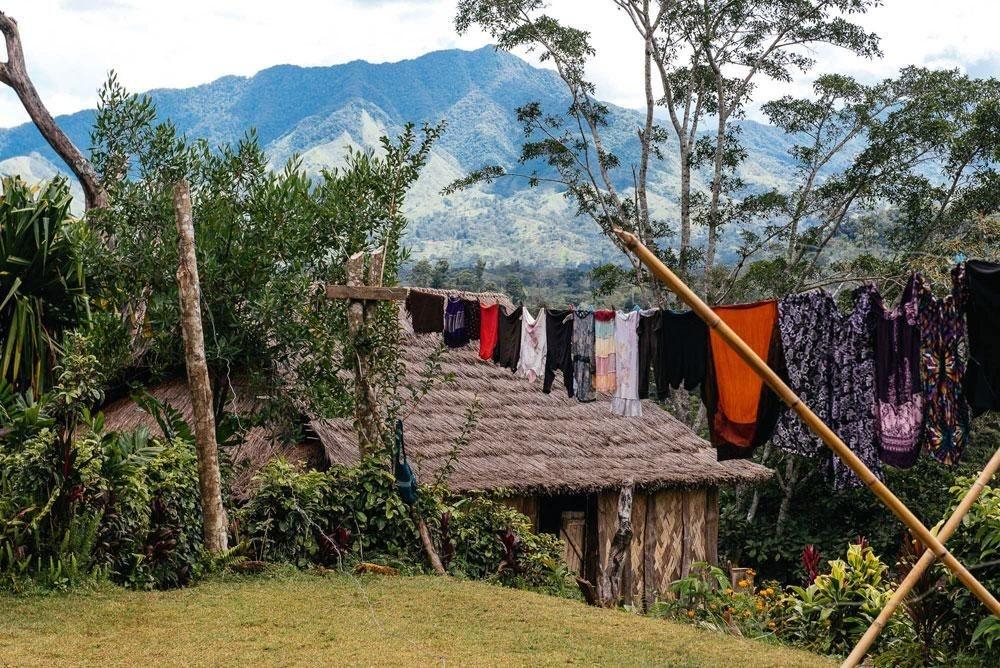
(891, 381)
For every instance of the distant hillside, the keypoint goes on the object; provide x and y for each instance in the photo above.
(317, 112)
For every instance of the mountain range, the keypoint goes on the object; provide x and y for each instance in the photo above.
(317, 112)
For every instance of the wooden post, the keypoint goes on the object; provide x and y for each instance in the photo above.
(210, 483)
(818, 427)
(925, 562)
(610, 587)
(367, 421)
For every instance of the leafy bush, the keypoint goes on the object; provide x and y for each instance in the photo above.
(79, 503)
(706, 598)
(832, 613)
(355, 513)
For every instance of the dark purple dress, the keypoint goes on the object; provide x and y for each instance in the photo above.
(942, 332)
(900, 404)
(455, 334)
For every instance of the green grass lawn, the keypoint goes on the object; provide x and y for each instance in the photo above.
(341, 620)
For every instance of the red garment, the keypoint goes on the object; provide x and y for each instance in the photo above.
(489, 317)
(604, 315)
(736, 409)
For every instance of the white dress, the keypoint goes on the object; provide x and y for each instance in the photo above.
(626, 398)
(531, 364)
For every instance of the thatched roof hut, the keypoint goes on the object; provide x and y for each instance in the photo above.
(563, 463)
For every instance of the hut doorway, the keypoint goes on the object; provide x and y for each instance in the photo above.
(566, 516)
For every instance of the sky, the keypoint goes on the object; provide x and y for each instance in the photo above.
(71, 45)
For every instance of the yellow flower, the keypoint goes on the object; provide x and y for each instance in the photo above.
(746, 613)
(690, 613)
(729, 590)
(751, 572)
(772, 625)
(742, 583)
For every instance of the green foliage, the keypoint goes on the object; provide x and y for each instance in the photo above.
(831, 615)
(42, 283)
(706, 598)
(78, 503)
(355, 513)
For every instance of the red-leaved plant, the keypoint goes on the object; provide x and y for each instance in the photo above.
(810, 561)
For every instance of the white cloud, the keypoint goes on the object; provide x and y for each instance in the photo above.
(72, 44)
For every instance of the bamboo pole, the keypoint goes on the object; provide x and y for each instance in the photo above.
(925, 562)
(818, 427)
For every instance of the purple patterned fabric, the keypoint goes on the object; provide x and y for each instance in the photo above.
(942, 330)
(808, 336)
(830, 364)
(900, 403)
(852, 399)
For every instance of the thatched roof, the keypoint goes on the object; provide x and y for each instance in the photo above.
(258, 447)
(527, 442)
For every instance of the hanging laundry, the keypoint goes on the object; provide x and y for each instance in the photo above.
(472, 322)
(583, 355)
(604, 351)
(507, 352)
(455, 335)
(734, 402)
(426, 311)
(626, 398)
(899, 408)
(942, 331)
(488, 322)
(852, 399)
(681, 356)
(982, 312)
(649, 321)
(558, 348)
(806, 324)
(533, 344)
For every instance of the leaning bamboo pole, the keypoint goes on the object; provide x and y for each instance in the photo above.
(747, 354)
(925, 562)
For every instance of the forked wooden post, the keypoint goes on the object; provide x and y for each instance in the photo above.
(747, 354)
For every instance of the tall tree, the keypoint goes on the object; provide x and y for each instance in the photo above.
(14, 73)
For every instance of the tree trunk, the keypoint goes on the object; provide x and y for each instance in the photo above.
(425, 538)
(610, 585)
(14, 73)
(685, 247)
(367, 421)
(210, 483)
(791, 478)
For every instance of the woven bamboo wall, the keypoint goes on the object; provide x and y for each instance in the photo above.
(671, 530)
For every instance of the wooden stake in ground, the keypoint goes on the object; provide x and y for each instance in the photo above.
(14, 73)
(213, 512)
(817, 426)
(368, 423)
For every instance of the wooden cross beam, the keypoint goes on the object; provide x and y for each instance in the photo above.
(366, 293)
(934, 543)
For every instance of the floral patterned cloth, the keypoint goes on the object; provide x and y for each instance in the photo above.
(808, 336)
(852, 398)
(900, 403)
(942, 330)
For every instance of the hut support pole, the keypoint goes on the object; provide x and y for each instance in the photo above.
(925, 562)
(610, 589)
(747, 354)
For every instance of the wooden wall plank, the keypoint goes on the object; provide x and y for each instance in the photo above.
(607, 525)
(526, 505)
(712, 526)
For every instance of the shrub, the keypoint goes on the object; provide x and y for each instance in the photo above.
(706, 598)
(832, 613)
(355, 513)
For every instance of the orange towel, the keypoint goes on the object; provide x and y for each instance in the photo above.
(738, 388)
